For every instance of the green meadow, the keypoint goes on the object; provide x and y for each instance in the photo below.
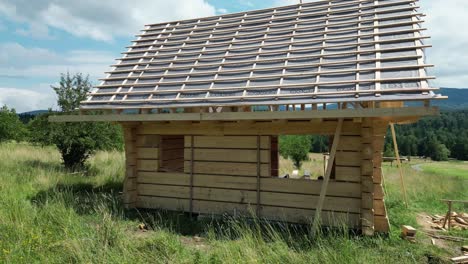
(48, 215)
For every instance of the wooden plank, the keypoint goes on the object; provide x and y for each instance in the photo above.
(254, 128)
(129, 184)
(212, 194)
(229, 155)
(350, 143)
(149, 141)
(302, 186)
(299, 186)
(341, 204)
(349, 113)
(295, 215)
(162, 203)
(229, 142)
(147, 165)
(348, 158)
(326, 178)
(148, 153)
(228, 168)
(381, 224)
(395, 147)
(171, 154)
(348, 174)
(379, 208)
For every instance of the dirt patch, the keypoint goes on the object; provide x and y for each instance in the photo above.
(426, 226)
(196, 242)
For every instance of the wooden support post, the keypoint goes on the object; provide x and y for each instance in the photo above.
(326, 178)
(191, 172)
(367, 178)
(397, 154)
(130, 181)
(449, 215)
(258, 176)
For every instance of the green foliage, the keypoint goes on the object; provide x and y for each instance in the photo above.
(438, 137)
(460, 149)
(319, 143)
(438, 151)
(71, 91)
(75, 141)
(11, 127)
(295, 147)
(389, 151)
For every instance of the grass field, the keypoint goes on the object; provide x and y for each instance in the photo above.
(49, 215)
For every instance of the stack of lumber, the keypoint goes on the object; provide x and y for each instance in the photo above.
(458, 221)
(408, 233)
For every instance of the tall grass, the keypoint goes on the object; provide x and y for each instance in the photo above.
(49, 215)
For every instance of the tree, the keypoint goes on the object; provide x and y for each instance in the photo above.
(71, 91)
(75, 141)
(460, 149)
(11, 127)
(438, 151)
(296, 148)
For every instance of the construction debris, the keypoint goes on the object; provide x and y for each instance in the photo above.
(457, 221)
(408, 233)
(461, 259)
(464, 249)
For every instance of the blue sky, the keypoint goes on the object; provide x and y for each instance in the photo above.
(42, 38)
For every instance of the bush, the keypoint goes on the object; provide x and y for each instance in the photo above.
(75, 141)
(296, 148)
(11, 127)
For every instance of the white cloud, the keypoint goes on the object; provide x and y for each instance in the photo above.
(26, 99)
(100, 20)
(17, 60)
(444, 21)
(33, 64)
(222, 10)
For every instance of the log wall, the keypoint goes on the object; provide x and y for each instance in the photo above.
(234, 174)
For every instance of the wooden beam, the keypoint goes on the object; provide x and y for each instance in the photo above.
(227, 116)
(326, 179)
(397, 154)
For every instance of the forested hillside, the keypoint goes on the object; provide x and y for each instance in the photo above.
(436, 137)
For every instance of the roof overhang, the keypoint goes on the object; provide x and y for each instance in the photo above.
(390, 113)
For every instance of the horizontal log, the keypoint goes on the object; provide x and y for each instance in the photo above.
(293, 215)
(348, 174)
(300, 186)
(350, 143)
(228, 155)
(227, 168)
(336, 219)
(148, 153)
(147, 165)
(254, 128)
(381, 224)
(228, 142)
(242, 196)
(379, 208)
(348, 158)
(150, 141)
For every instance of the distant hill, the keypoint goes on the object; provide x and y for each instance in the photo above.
(26, 116)
(457, 99)
(34, 113)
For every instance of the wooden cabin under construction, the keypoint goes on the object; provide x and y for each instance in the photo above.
(203, 101)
